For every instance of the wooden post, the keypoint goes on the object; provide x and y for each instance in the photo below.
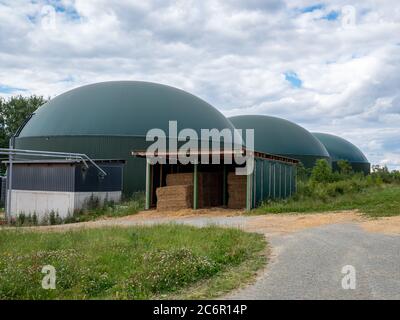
(148, 185)
(224, 182)
(195, 188)
(248, 192)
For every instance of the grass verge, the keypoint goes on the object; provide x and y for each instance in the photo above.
(381, 201)
(128, 263)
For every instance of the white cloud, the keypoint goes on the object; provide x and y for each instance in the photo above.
(233, 54)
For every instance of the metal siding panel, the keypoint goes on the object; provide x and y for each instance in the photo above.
(43, 177)
(259, 181)
(270, 179)
(274, 180)
(277, 179)
(262, 180)
(89, 180)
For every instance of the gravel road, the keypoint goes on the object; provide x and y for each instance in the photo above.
(308, 265)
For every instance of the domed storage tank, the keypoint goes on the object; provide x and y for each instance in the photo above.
(282, 137)
(109, 120)
(341, 149)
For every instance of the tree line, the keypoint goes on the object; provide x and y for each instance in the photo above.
(13, 113)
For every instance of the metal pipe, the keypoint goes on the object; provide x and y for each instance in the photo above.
(54, 154)
(9, 174)
(255, 183)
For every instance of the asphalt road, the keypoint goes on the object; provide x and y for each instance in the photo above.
(308, 265)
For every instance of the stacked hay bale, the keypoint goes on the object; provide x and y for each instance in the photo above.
(178, 194)
(174, 197)
(179, 179)
(236, 191)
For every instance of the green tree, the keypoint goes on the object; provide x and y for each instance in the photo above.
(302, 172)
(13, 113)
(345, 167)
(322, 171)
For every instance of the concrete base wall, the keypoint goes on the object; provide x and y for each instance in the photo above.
(63, 203)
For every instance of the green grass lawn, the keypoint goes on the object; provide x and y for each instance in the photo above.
(375, 202)
(164, 261)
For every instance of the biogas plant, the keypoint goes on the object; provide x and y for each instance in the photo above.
(93, 142)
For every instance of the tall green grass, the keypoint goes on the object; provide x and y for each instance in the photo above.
(121, 263)
(377, 194)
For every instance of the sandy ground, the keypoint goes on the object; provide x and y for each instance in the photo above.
(387, 225)
(288, 223)
(270, 224)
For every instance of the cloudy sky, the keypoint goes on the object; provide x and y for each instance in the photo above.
(331, 66)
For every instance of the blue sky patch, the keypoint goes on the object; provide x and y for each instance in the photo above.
(312, 8)
(7, 89)
(67, 79)
(331, 16)
(293, 79)
(69, 11)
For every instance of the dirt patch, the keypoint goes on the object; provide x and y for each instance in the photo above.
(280, 224)
(270, 224)
(211, 212)
(387, 225)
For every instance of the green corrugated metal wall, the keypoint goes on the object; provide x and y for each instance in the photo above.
(272, 180)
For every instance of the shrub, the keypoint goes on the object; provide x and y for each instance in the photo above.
(303, 173)
(385, 175)
(21, 219)
(35, 220)
(92, 203)
(345, 167)
(322, 171)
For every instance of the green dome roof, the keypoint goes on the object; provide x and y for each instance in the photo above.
(340, 149)
(122, 108)
(279, 136)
